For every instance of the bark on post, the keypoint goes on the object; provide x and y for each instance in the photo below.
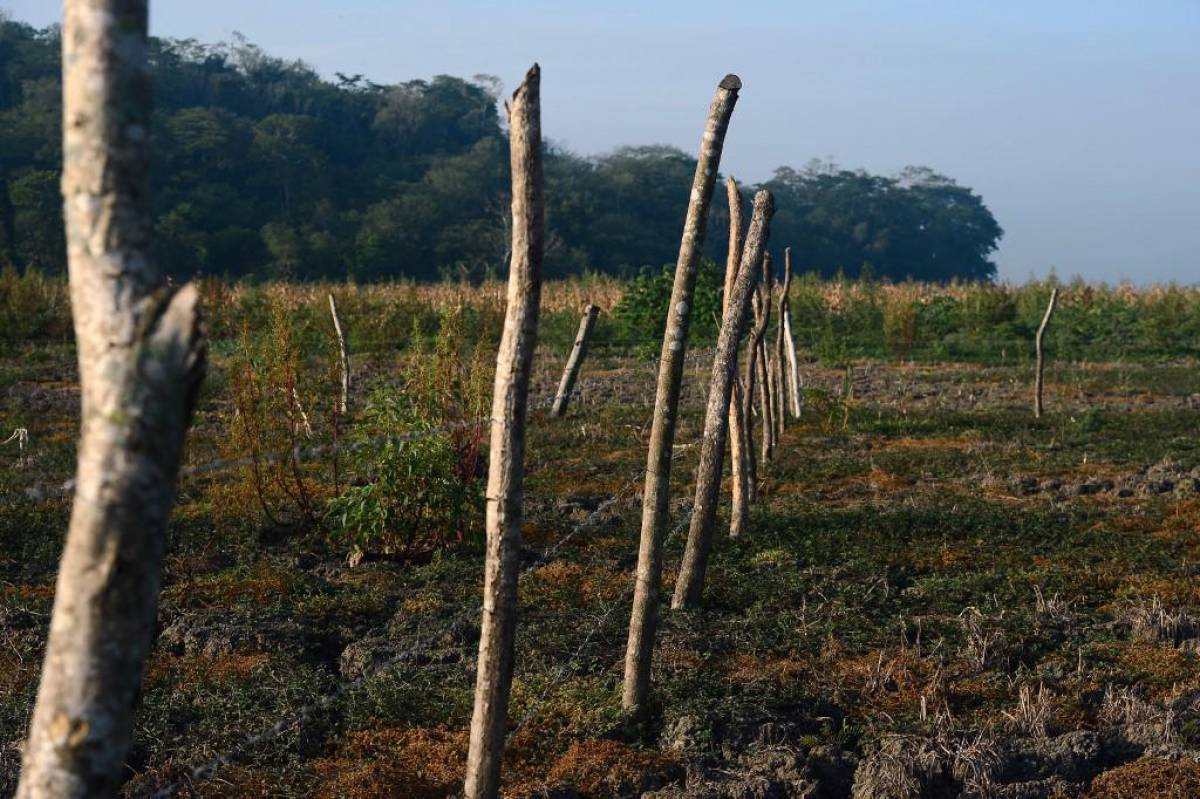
(1041, 362)
(690, 583)
(506, 463)
(655, 496)
(574, 361)
(343, 355)
(739, 512)
(141, 360)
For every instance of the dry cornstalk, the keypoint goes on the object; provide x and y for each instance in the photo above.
(506, 464)
(141, 359)
(690, 583)
(578, 352)
(655, 496)
(1041, 362)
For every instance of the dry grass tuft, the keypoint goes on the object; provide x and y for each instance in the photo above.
(197, 669)
(1157, 777)
(603, 768)
(412, 762)
(571, 585)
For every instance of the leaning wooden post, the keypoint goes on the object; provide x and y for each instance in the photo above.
(574, 361)
(782, 383)
(789, 343)
(690, 583)
(141, 360)
(739, 512)
(764, 363)
(752, 357)
(655, 495)
(1041, 363)
(506, 461)
(343, 355)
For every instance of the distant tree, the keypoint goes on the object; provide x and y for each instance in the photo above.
(262, 166)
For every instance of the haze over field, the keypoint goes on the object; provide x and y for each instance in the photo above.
(1077, 124)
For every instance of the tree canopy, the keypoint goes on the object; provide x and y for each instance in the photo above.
(262, 167)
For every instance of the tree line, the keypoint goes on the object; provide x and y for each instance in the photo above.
(263, 168)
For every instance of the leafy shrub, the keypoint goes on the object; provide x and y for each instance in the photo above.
(277, 409)
(640, 316)
(418, 470)
(416, 498)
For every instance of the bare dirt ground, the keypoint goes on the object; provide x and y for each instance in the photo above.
(940, 596)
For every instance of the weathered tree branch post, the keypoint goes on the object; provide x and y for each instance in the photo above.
(574, 361)
(764, 363)
(753, 349)
(343, 356)
(782, 381)
(789, 343)
(690, 583)
(739, 512)
(506, 463)
(141, 359)
(644, 618)
(1041, 362)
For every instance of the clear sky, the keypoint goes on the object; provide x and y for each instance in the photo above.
(1078, 121)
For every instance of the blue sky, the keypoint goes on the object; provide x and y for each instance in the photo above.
(1077, 121)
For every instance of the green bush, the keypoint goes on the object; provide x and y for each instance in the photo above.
(416, 499)
(640, 316)
(418, 467)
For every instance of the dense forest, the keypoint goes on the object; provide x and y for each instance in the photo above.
(263, 168)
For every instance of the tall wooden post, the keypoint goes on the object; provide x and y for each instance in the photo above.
(644, 618)
(1041, 362)
(753, 351)
(141, 360)
(739, 511)
(789, 343)
(782, 382)
(578, 352)
(506, 464)
(690, 583)
(766, 407)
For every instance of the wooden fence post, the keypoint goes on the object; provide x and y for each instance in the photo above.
(764, 363)
(789, 343)
(344, 356)
(644, 617)
(1041, 362)
(574, 361)
(506, 464)
(739, 511)
(141, 359)
(753, 350)
(782, 381)
(690, 583)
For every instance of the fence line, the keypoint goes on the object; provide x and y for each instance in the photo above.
(311, 452)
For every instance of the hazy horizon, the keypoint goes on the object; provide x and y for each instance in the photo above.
(1077, 124)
